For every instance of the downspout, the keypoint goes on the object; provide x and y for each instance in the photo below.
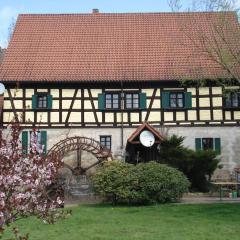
(122, 96)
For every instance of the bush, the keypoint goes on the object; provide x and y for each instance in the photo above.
(198, 166)
(145, 183)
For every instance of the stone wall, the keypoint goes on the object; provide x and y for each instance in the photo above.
(230, 139)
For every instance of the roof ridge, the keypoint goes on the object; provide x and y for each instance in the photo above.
(129, 13)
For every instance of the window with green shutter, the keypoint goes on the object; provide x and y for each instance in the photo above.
(34, 101)
(42, 101)
(44, 141)
(198, 143)
(165, 99)
(208, 143)
(217, 145)
(188, 100)
(143, 100)
(49, 101)
(101, 101)
(25, 142)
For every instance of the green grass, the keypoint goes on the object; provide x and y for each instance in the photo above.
(170, 222)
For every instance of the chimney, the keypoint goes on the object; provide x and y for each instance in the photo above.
(95, 10)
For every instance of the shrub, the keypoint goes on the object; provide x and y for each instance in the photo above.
(145, 183)
(198, 166)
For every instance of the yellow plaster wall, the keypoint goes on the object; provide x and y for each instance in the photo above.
(109, 117)
(194, 103)
(192, 90)
(204, 91)
(55, 104)
(29, 116)
(29, 93)
(227, 115)
(149, 92)
(8, 116)
(192, 115)
(42, 117)
(99, 115)
(217, 101)
(86, 93)
(42, 90)
(87, 104)
(75, 117)
(16, 92)
(68, 92)
(28, 104)
(154, 117)
(54, 117)
(236, 115)
(156, 104)
(216, 90)
(180, 116)
(77, 104)
(66, 104)
(168, 116)
(205, 115)
(119, 117)
(204, 102)
(7, 104)
(64, 116)
(217, 114)
(134, 117)
(95, 92)
(18, 104)
(55, 93)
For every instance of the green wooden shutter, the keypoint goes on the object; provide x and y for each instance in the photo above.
(143, 100)
(188, 99)
(34, 101)
(44, 141)
(217, 145)
(49, 101)
(101, 101)
(198, 143)
(165, 99)
(24, 142)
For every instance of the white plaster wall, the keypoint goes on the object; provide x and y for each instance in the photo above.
(230, 139)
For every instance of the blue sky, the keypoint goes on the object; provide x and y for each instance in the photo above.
(9, 9)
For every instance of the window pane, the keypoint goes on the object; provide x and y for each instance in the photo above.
(235, 100)
(173, 103)
(108, 96)
(207, 143)
(180, 102)
(173, 95)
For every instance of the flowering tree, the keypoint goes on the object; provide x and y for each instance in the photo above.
(25, 177)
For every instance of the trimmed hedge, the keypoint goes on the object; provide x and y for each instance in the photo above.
(145, 183)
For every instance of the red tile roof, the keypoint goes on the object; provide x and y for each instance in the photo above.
(111, 47)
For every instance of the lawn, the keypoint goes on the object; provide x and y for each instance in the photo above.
(170, 222)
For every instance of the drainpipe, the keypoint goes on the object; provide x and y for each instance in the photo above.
(122, 96)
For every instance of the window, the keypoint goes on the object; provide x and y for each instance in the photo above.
(208, 143)
(35, 140)
(176, 100)
(42, 101)
(131, 100)
(232, 100)
(39, 137)
(106, 141)
(112, 101)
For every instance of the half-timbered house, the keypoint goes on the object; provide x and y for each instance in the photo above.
(102, 75)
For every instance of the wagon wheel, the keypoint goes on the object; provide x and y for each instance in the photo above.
(78, 144)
